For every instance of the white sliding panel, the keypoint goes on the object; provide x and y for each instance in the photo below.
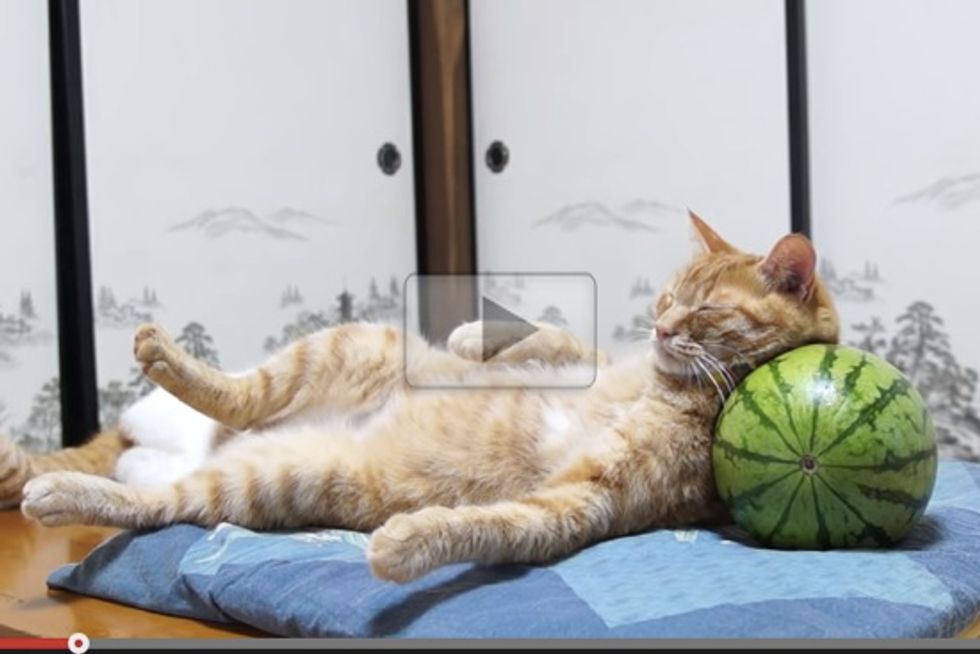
(30, 404)
(895, 147)
(235, 191)
(618, 115)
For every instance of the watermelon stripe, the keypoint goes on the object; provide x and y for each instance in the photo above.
(851, 379)
(786, 510)
(748, 399)
(823, 371)
(786, 391)
(907, 500)
(823, 534)
(891, 463)
(757, 490)
(885, 397)
(870, 529)
(732, 451)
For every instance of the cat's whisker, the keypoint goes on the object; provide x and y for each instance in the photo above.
(691, 372)
(722, 368)
(713, 365)
(694, 373)
(639, 333)
(742, 358)
(721, 395)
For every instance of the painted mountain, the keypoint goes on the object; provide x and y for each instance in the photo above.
(636, 215)
(947, 192)
(641, 206)
(285, 224)
(296, 218)
(572, 217)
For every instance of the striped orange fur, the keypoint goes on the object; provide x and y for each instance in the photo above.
(327, 432)
(98, 457)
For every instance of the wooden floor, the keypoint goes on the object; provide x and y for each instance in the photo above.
(28, 554)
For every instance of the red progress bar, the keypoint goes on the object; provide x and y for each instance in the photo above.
(34, 643)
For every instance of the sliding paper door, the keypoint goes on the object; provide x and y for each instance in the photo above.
(617, 116)
(233, 159)
(30, 404)
(895, 144)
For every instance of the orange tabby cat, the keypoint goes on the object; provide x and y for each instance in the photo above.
(327, 433)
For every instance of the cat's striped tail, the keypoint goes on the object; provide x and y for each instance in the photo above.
(17, 466)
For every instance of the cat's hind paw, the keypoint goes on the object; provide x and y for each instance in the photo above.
(154, 349)
(151, 343)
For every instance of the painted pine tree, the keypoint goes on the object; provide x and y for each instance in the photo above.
(872, 336)
(345, 306)
(921, 349)
(42, 430)
(198, 343)
(107, 300)
(554, 316)
(306, 323)
(27, 311)
(113, 400)
(139, 384)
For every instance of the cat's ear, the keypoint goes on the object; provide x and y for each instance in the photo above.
(709, 238)
(790, 267)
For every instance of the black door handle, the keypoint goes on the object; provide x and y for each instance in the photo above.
(497, 156)
(389, 159)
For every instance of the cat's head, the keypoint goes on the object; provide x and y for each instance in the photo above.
(728, 311)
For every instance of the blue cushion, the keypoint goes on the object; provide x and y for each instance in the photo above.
(668, 583)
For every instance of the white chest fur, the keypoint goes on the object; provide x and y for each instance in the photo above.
(171, 440)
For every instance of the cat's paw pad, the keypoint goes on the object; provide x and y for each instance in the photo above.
(153, 348)
(151, 343)
(466, 341)
(59, 498)
(402, 549)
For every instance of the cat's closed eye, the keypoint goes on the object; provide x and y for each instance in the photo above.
(664, 303)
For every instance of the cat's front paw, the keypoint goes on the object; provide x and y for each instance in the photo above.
(63, 498)
(466, 341)
(406, 547)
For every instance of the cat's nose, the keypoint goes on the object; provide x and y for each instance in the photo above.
(663, 333)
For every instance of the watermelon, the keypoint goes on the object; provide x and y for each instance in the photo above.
(825, 446)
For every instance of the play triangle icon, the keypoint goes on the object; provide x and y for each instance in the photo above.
(502, 328)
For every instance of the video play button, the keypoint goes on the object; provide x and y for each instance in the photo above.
(543, 312)
(502, 328)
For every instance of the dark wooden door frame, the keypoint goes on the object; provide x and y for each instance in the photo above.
(73, 270)
(442, 133)
(799, 136)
